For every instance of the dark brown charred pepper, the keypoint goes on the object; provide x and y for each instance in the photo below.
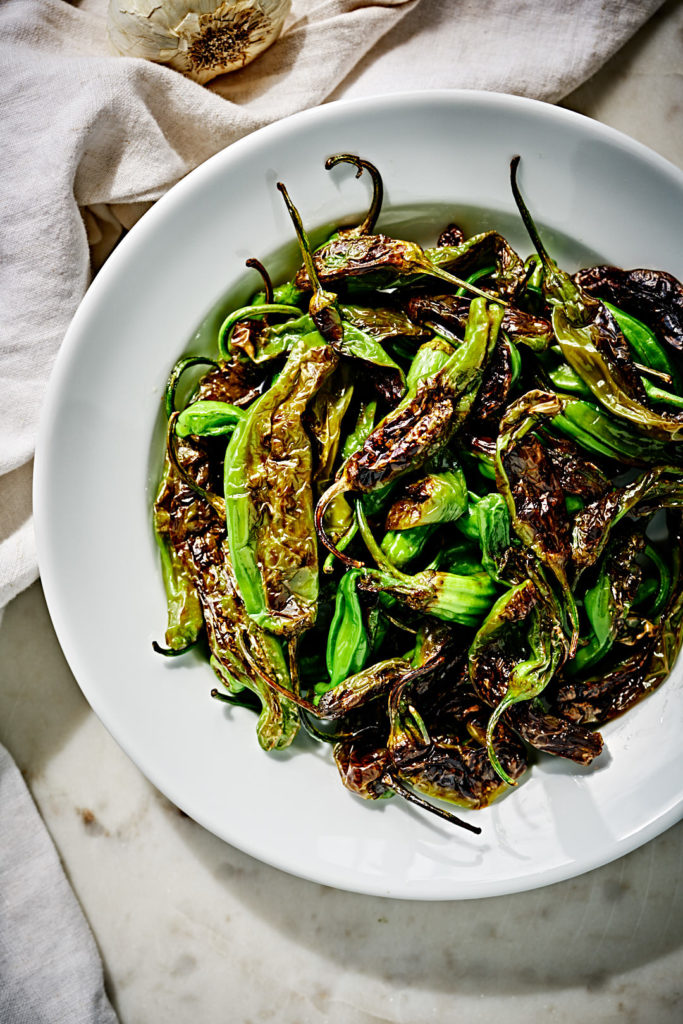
(652, 295)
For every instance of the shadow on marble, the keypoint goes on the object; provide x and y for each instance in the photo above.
(41, 705)
(620, 93)
(583, 932)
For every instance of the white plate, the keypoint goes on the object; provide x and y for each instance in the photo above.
(595, 193)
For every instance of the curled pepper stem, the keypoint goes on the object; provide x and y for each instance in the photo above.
(274, 685)
(368, 224)
(255, 264)
(392, 781)
(227, 698)
(329, 737)
(249, 313)
(177, 372)
(504, 704)
(333, 491)
(217, 503)
(172, 652)
(374, 548)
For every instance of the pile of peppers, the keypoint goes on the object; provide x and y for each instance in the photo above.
(426, 505)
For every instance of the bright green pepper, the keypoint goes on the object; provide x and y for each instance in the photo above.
(208, 419)
(347, 641)
(269, 500)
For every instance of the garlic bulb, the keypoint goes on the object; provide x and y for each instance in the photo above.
(201, 38)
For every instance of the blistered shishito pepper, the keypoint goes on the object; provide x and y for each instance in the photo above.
(593, 345)
(461, 599)
(347, 641)
(654, 489)
(499, 674)
(347, 339)
(608, 602)
(240, 652)
(651, 295)
(208, 419)
(326, 413)
(384, 261)
(185, 618)
(356, 690)
(422, 424)
(269, 500)
(488, 251)
(527, 479)
(451, 312)
(438, 497)
(643, 668)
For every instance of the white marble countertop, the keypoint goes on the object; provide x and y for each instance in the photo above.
(191, 929)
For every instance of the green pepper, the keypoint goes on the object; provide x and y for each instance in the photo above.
(208, 419)
(269, 500)
(364, 423)
(575, 323)
(347, 641)
(425, 419)
(439, 497)
(598, 432)
(256, 312)
(185, 617)
(402, 546)
(475, 276)
(462, 599)
(644, 344)
(493, 521)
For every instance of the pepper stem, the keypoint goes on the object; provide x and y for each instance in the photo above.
(217, 503)
(226, 698)
(323, 305)
(274, 685)
(393, 782)
(508, 700)
(172, 652)
(367, 226)
(304, 244)
(177, 372)
(255, 264)
(249, 313)
(374, 548)
(526, 216)
(338, 487)
(445, 275)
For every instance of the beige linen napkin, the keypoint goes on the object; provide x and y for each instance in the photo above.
(50, 972)
(90, 139)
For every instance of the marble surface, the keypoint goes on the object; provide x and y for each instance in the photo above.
(190, 928)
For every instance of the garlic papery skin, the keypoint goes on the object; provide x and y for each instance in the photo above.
(200, 38)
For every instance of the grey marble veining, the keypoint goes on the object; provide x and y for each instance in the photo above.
(191, 929)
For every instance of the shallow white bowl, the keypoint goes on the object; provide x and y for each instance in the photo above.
(597, 196)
